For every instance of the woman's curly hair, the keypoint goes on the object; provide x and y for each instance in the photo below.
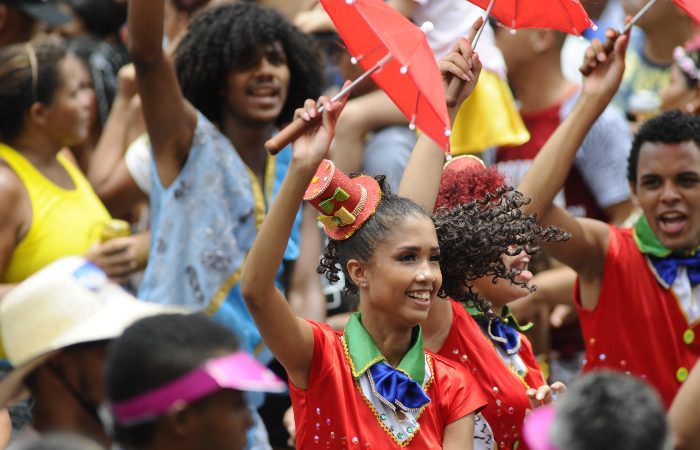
(225, 37)
(474, 237)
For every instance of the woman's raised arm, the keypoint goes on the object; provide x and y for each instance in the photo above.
(289, 337)
(170, 119)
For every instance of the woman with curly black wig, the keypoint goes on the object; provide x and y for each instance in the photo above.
(239, 74)
(374, 385)
(486, 242)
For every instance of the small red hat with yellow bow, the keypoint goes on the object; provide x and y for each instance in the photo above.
(345, 203)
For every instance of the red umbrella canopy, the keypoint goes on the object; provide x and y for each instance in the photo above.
(563, 15)
(371, 29)
(692, 7)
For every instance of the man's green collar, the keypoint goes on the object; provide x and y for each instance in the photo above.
(363, 352)
(649, 244)
(506, 316)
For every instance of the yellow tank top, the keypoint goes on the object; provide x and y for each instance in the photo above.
(64, 222)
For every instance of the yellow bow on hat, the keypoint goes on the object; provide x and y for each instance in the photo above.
(341, 216)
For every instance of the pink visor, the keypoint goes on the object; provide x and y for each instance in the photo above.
(536, 428)
(238, 370)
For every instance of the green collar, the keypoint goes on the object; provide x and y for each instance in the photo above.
(363, 352)
(649, 244)
(506, 315)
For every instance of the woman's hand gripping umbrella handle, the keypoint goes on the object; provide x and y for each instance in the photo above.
(295, 129)
(603, 50)
(455, 86)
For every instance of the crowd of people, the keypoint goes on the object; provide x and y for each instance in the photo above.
(167, 283)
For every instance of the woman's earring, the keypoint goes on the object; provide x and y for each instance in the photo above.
(690, 107)
(364, 285)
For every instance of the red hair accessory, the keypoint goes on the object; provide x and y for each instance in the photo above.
(466, 178)
(346, 203)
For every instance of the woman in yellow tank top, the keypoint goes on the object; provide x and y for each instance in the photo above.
(48, 209)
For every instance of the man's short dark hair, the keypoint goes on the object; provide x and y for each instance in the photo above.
(155, 351)
(608, 411)
(672, 127)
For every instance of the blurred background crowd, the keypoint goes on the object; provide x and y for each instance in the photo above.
(75, 153)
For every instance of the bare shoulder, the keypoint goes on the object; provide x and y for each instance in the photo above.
(11, 186)
(15, 198)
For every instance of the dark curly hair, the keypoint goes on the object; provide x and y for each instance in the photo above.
(474, 237)
(16, 96)
(672, 127)
(225, 37)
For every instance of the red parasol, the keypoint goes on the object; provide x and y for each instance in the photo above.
(396, 54)
(692, 7)
(563, 15)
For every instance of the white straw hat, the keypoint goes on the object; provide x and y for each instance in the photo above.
(68, 302)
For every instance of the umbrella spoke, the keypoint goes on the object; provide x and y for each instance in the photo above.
(568, 19)
(356, 59)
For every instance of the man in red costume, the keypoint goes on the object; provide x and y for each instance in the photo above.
(636, 287)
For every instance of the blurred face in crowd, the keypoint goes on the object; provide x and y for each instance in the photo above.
(222, 422)
(517, 48)
(504, 291)
(257, 91)
(668, 190)
(678, 95)
(66, 119)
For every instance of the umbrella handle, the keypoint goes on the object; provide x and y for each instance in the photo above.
(289, 134)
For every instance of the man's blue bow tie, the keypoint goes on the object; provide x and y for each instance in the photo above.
(397, 388)
(667, 267)
(504, 335)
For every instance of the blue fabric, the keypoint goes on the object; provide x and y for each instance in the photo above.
(202, 226)
(667, 267)
(505, 336)
(394, 385)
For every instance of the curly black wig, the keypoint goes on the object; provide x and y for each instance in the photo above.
(672, 127)
(224, 38)
(474, 237)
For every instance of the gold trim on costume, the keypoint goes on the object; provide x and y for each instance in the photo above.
(374, 410)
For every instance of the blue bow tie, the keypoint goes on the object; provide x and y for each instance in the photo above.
(667, 267)
(397, 388)
(504, 335)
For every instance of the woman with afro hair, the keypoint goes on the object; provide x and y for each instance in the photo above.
(464, 328)
(239, 74)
